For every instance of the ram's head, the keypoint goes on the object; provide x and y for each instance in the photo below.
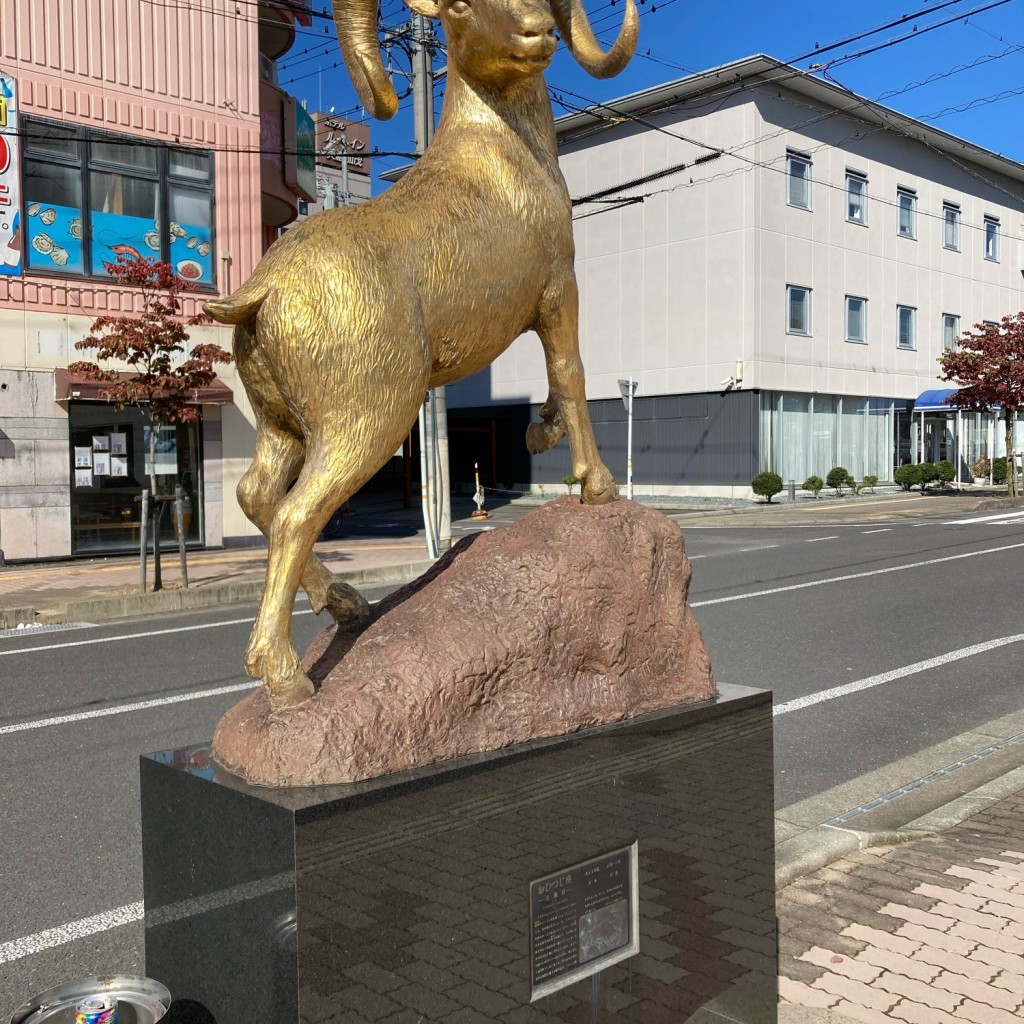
(494, 41)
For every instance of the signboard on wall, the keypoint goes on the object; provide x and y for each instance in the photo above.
(336, 137)
(10, 165)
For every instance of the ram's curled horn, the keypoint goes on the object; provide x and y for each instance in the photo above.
(356, 22)
(574, 25)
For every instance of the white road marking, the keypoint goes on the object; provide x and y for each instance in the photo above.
(814, 540)
(885, 529)
(121, 709)
(16, 949)
(854, 576)
(81, 929)
(733, 551)
(1006, 517)
(896, 673)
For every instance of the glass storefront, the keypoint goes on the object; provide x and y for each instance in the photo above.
(804, 435)
(109, 468)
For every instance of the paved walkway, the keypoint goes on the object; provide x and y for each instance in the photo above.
(928, 932)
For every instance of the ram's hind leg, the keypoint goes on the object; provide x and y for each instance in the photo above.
(278, 459)
(338, 462)
(540, 437)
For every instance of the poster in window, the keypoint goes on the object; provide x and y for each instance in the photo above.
(83, 457)
(100, 443)
(83, 478)
(101, 464)
(118, 465)
(10, 201)
(55, 236)
(166, 450)
(118, 234)
(118, 444)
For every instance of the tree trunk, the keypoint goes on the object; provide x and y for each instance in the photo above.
(1011, 465)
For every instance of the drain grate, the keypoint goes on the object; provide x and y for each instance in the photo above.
(34, 630)
(935, 776)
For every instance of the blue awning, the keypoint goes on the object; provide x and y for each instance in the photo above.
(934, 400)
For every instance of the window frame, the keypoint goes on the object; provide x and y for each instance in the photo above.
(86, 165)
(904, 192)
(790, 288)
(949, 343)
(862, 179)
(991, 222)
(954, 209)
(795, 155)
(863, 339)
(912, 344)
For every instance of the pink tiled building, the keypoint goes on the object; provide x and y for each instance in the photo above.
(130, 126)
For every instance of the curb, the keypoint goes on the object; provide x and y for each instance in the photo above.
(817, 847)
(118, 606)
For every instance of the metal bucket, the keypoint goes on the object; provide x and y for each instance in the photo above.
(139, 1001)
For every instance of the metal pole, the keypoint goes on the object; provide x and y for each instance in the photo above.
(143, 522)
(423, 110)
(428, 520)
(959, 425)
(629, 442)
(179, 526)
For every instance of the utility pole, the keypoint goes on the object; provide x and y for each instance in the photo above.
(437, 510)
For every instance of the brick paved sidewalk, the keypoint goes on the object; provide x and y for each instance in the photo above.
(929, 932)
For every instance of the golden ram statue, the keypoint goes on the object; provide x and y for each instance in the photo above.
(352, 315)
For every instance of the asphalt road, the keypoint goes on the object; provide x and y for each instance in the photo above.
(879, 639)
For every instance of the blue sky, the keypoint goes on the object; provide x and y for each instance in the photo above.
(976, 61)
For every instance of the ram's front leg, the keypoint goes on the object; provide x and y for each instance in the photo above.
(559, 333)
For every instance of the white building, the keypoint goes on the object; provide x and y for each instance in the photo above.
(779, 263)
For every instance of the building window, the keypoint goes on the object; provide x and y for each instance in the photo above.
(856, 198)
(991, 238)
(951, 226)
(906, 317)
(92, 196)
(798, 310)
(798, 169)
(950, 331)
(856, 318)
(907, 202)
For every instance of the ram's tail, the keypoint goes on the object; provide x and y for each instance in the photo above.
(239, 306)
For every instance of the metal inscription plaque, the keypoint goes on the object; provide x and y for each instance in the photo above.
(583, 919)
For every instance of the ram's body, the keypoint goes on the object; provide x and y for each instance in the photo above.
(353, 314)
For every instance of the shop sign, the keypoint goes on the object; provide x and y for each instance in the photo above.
(10, 199)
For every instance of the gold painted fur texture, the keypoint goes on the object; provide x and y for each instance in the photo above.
(352, 315)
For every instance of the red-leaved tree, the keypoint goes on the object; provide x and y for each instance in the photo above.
(987, 364)
(159, 382)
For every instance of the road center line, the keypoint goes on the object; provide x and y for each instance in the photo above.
(814, 540)
(896, 673)
(885, 529)
(121, 709)
(1008, 515)
(855, 576)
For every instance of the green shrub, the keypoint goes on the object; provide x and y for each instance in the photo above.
(946, 471)
(999, 470)
(870, 481)
(837, 479)
(927, 473)
(813, 484)
(855, 488)
(570, 481)
(908, 475)
(766, 484)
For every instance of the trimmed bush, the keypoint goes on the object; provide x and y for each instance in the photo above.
(813, 484)
(570, 481)
(766, 484)
(946, 471)
(908, 475)
(837, 479)
(999, 470)
(870, 481)
(927, 473)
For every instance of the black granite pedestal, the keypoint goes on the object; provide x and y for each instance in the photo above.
(622, 874)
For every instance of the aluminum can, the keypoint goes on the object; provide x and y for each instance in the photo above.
(97, 1010)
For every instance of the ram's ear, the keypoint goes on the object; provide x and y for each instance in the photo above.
(428, 8)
